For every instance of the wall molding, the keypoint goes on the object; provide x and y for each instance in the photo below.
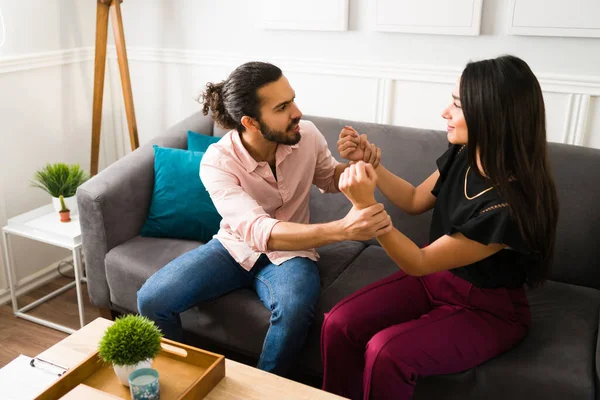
(46, 59)
(578, 87)
(576, 118)
(562, 25)
(35, 280)
(385, 101)
(578, 84)
(301, 16)
(589, 85)
(424, 19)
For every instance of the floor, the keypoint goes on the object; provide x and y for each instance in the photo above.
(19, 336)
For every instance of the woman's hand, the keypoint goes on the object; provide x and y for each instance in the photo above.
(355, 147)
(358, 183)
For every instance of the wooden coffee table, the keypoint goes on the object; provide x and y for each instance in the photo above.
(240, 382)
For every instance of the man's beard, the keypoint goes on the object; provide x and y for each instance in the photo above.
(279, 136)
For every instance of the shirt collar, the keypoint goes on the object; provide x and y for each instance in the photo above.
(248, 161)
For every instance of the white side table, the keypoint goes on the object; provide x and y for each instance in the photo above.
(43, 225)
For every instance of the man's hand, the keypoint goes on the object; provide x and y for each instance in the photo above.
(355, 147)
(358, 183)
(365, 224)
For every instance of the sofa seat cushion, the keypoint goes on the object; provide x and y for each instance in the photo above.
(238, 320)
(131, 263)
(554, 361)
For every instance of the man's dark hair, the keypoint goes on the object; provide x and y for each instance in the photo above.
(237, 96)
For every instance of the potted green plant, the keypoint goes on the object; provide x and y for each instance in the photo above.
(65, 213)
(61, 179)
(129, 344)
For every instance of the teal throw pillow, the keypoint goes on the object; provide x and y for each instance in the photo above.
(181, 207)
(200, 142)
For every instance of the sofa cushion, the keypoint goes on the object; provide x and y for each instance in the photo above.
(180, 206)
(199, 141)
(237, 320)
(131, 263)
(576, 173)
(335, 258)
(556, 360)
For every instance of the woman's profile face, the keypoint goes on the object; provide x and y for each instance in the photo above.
(453, 114)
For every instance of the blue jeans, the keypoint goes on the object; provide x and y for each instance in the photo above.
(290, 291)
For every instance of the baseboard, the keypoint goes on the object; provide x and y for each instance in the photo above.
(36, 280)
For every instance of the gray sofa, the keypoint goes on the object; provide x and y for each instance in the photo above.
(557, 360)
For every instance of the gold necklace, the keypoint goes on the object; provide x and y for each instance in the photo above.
(478, 194)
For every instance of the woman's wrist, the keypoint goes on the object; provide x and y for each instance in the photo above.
(364, 204)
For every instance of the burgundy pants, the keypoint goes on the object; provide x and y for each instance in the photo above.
(378, 341)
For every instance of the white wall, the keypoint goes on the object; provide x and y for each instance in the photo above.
(399, 78)
(46, 76)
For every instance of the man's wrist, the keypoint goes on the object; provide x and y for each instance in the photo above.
(335, 230)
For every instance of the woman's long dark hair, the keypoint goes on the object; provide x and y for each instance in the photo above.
(506, 120)
(237, 96)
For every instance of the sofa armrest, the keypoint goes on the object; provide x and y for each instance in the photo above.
(113, 207)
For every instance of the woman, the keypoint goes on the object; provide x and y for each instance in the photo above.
(459, 301)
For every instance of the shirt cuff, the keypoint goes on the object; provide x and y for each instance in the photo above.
(263, 234)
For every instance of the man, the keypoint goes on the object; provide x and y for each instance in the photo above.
(259, 176)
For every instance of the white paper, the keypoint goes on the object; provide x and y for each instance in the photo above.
(20, 381)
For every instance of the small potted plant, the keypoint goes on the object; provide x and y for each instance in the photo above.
(61, 179)
(65, 213)
(129, 344)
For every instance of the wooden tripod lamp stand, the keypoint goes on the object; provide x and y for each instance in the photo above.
(104, 7)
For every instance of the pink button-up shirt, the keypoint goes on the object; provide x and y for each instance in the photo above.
(250, 199)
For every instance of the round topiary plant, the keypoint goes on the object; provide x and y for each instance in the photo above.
(130, 340)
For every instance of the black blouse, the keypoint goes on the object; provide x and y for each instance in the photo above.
(485, 218)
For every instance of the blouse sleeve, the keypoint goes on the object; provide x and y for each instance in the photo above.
(444, 163)
(494, 226)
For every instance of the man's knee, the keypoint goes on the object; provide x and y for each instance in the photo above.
(145, 301)
(150, 302)
(294, 310)
(304, 281)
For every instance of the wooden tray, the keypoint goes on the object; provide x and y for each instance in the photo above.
(185, 372)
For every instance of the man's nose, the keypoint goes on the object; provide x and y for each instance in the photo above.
(296, 113)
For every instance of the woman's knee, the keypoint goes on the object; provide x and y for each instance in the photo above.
(337, 322)
(382, 357)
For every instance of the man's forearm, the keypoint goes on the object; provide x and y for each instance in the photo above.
(291, 236)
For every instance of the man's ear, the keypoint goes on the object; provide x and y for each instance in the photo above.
(250, 124)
